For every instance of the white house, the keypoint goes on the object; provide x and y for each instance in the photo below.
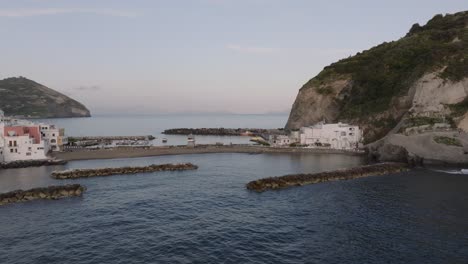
(336, 136)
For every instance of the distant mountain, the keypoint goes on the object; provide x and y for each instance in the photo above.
(24, 98)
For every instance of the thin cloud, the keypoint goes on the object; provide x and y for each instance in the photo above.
(87, 88)
(30, 12)
(257, 50)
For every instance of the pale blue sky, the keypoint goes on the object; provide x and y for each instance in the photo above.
(155, 56)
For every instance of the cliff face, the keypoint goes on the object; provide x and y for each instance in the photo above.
(421, 77)
(24, 98)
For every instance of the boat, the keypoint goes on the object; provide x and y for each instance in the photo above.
(191, 140)
(164, 140)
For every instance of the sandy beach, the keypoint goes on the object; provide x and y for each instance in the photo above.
(160, 151)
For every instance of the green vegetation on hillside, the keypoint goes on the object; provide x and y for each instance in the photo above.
(460, 108)
(389, 69)
(448, 141)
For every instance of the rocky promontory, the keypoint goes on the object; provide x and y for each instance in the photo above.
(24, 98)
(286, 181)
(49, 193)
(86, 173)
(404, 91)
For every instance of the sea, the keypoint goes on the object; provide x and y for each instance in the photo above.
(208, 216)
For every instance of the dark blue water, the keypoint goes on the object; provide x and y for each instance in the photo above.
(207, 216)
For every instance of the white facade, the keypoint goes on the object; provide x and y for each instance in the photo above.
(335, 136)
(23, 148)
(53, 136)
(25, 140)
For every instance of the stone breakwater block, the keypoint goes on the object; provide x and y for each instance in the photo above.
(280, 182)
(31, 163)
(85, 173)
(48, 193)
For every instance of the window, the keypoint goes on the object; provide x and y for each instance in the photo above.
(29, 148)
(15, 144)
(11, 150)
(16, 150)
(343, 133)
(351, 134)
(53, 135)
(351, 128)
(53, 141)
(10, 144)
(28, 153)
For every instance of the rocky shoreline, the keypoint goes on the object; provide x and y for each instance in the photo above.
(86, 173)
(274, 183)
(31, 163)
(48, 193)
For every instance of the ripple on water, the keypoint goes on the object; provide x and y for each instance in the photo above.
(207, 215)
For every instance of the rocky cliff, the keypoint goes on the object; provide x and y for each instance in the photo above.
(25, 98)
(420, 80)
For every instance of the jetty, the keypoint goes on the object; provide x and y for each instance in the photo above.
(86, 173)
(275, 183)
(106, 138)
(31, 163)
(223, 131)
(48, 193)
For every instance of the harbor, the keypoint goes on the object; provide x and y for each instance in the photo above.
(85, 154)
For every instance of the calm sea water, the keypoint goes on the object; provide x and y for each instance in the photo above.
(207, 215)
(154, 125)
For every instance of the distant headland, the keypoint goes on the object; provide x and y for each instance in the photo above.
(24, 98)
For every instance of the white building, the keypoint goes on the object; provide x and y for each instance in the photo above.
(335, 136)
(25, 140)
(53, 135)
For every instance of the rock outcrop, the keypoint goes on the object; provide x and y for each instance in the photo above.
(49, 193)
(86, 173)
(24, 98)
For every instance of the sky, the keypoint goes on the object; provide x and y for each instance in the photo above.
(194, 56)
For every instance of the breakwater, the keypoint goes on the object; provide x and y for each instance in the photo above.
(107, 138)
(50, 193)
(222, 131)
(280, 182)
(31, 163)
(85, 173)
